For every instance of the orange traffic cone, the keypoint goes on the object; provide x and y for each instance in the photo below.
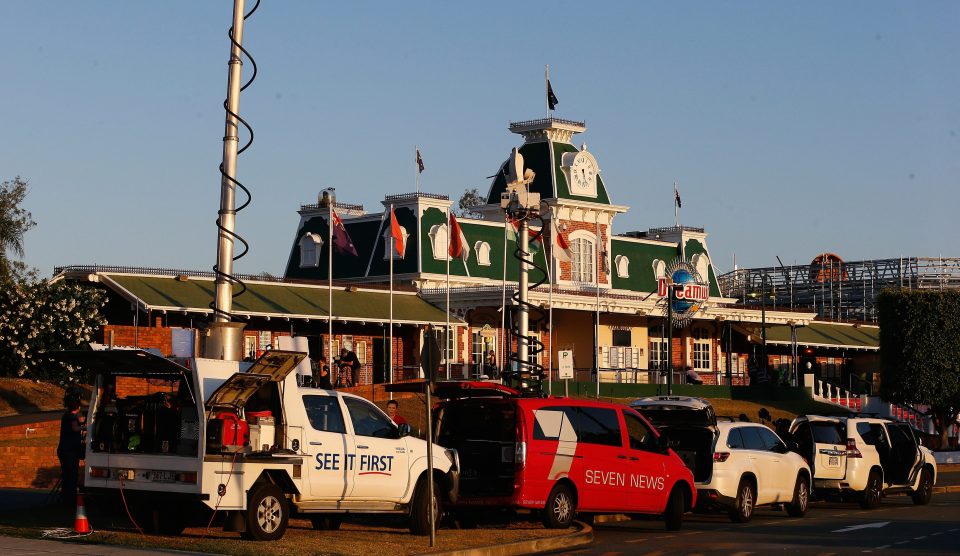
(81, 525)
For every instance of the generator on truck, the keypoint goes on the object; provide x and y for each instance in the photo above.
(180, 439)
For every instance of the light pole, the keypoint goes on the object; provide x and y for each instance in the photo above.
(763, 318)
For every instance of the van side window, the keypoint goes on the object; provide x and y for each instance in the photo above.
(368, 420)
(641, 437)
(597, 425)
(540, 434)
(771, 442)
(871, 433)
(734, 440)
(324, 413)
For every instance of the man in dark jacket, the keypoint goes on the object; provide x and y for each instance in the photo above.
(348, 358)
(70, 448)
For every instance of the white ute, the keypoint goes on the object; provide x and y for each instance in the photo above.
(181, 439)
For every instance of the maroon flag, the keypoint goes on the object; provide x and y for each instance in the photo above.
(341, 239)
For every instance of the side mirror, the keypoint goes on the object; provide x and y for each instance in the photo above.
(404, 429)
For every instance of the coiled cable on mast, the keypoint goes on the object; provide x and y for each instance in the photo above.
(527, 376)
(222, 230)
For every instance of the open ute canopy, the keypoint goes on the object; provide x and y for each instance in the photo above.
(272, 366)
(450, 389)
(119, 362)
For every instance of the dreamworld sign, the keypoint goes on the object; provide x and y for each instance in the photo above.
(686, 290)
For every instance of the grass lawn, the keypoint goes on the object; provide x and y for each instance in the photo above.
(357, 537)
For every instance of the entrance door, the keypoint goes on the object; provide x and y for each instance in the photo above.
(380, 457)
(380, 361)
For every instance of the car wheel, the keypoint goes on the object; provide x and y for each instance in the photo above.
(673, 515)
(801, 498)
(924, 492)
(326, 522)
(267, 513)
(560, 509)
(422, 506)
(746, 498)
(870, 497)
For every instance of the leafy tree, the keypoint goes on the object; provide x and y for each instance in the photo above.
(37, 315)
(469, 201)
(920, 351)
(14, 223)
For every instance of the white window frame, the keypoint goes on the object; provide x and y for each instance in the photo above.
(659, 351)
(386, 243)
(701, 357)
(659, 269)
(438, 240)
(360, 348)
(583, 265)
(701, 262)
(623, 266)
(482, 249)
(310, 246)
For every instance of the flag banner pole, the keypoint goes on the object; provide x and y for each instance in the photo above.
(416, 165)
(596, 330)
(446, 333)
(503, 300)
(330, 285)
(550, 274)
(390, 345)
(547, 77)
(676, 206)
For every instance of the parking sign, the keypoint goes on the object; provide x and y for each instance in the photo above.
(565, 369)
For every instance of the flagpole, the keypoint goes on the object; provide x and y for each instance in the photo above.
(503, 300)
(553, 247)
(390, 345)
(330, 283)
(416, 166)
(446, 335)
(596, 329)
(547, 78)
(676, 209)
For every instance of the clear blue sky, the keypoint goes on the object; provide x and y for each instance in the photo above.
(792, 128)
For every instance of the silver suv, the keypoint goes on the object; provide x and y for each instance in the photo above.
(867, 456)
(736, 465)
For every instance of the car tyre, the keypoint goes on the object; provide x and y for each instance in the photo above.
(322, 522)
(742, 511)
(924, 492)
(870, 497)
(801, 498)
(267, 513)
(422, 506)
(673, 515)
(560, 508)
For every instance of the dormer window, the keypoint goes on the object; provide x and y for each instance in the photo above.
(623, 266)
(482, 248)
(310, 245)
(659, 269)
(387, 243)
(438, 240)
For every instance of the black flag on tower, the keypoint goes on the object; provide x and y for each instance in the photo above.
(552, 101)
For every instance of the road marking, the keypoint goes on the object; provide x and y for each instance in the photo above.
(952, 530)
(635, 540)
(882, 547)
(901, 542)
(741, 553)
(876, 525)
(920, 538)
(935, 534)
(692, 533)
(665, 537)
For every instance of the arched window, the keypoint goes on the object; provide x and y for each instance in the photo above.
(623, 266)
(482, 248)
(659, 269)
(386, 243)
(438, 240)
(310, 245)
(701, 262)
(583, 259)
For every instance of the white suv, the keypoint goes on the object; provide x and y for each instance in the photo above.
(736, 465)
(870, 457)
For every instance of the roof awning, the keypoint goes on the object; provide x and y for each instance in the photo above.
(275, 299)
(819, 334)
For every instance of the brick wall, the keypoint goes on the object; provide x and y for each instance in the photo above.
(30, 466)
(139, 336)
(572, 226)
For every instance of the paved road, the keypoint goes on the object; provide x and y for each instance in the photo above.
(897, 527)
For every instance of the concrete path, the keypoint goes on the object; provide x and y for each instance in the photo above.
(13, 546)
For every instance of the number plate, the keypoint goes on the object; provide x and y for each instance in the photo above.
(163, 476)
(833, 461)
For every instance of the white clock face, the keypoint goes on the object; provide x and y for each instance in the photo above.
(583, 176)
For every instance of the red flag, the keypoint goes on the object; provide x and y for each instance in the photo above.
(397, 233)
(458, 242)
(561, 245)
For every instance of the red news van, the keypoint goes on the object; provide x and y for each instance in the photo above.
(562, 456)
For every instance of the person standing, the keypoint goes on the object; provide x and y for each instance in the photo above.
(70, 448)
(490, 364)
(321, 374)
(392, 407)
(348, 359)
